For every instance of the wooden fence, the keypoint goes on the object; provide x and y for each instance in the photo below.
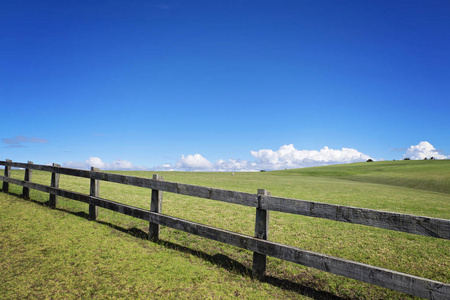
(264, 202)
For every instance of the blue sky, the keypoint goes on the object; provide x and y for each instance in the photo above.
(223, 85)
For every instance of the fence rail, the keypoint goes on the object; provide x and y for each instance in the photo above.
(264, 203)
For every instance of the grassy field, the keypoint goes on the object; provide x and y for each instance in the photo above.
(57, 253)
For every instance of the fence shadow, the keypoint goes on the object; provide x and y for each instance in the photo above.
(46, 204)
(219, 259)
(234, 266)
(41, 203)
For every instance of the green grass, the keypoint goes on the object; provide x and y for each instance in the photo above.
(431, 175)
(59, 254)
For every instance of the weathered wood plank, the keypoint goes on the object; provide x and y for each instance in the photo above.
(27, 177)
(439, 228)
(241, 198)
(5, 187)
(155, 206)
(52, 169)
(53, 199)
(122, 208)
(261, 232)
(94, 190)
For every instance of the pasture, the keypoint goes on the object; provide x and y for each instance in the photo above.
(57, 253)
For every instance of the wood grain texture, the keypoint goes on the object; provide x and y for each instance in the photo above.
(439, 228)
(94, 190)
(261, 232)
(5, 187)
(27, 177)
(155, 206)
(53, 199)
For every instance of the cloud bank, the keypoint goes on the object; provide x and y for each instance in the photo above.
(197, 162)
(287, 157)
(423, 150)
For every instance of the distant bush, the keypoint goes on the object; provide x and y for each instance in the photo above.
(425, 158)
(369, 160)
(263, 171)
(407, 158)
(432, 158)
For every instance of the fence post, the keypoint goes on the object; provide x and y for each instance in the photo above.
(95, 192)
(5, 188)
(52, 201)
(261, 232)
(155, 206)
(27, 178)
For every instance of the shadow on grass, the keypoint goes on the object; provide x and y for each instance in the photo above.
(231, 265)
(219, 260)
(42, 203)
(47, 203)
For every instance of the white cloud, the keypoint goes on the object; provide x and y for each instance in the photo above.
(194, 162)
(287, 157)
(423, 150)
(97, 162)
(235, 165)
(122, 165)
(197, 162)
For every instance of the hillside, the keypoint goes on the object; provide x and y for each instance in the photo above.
(430, 175)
